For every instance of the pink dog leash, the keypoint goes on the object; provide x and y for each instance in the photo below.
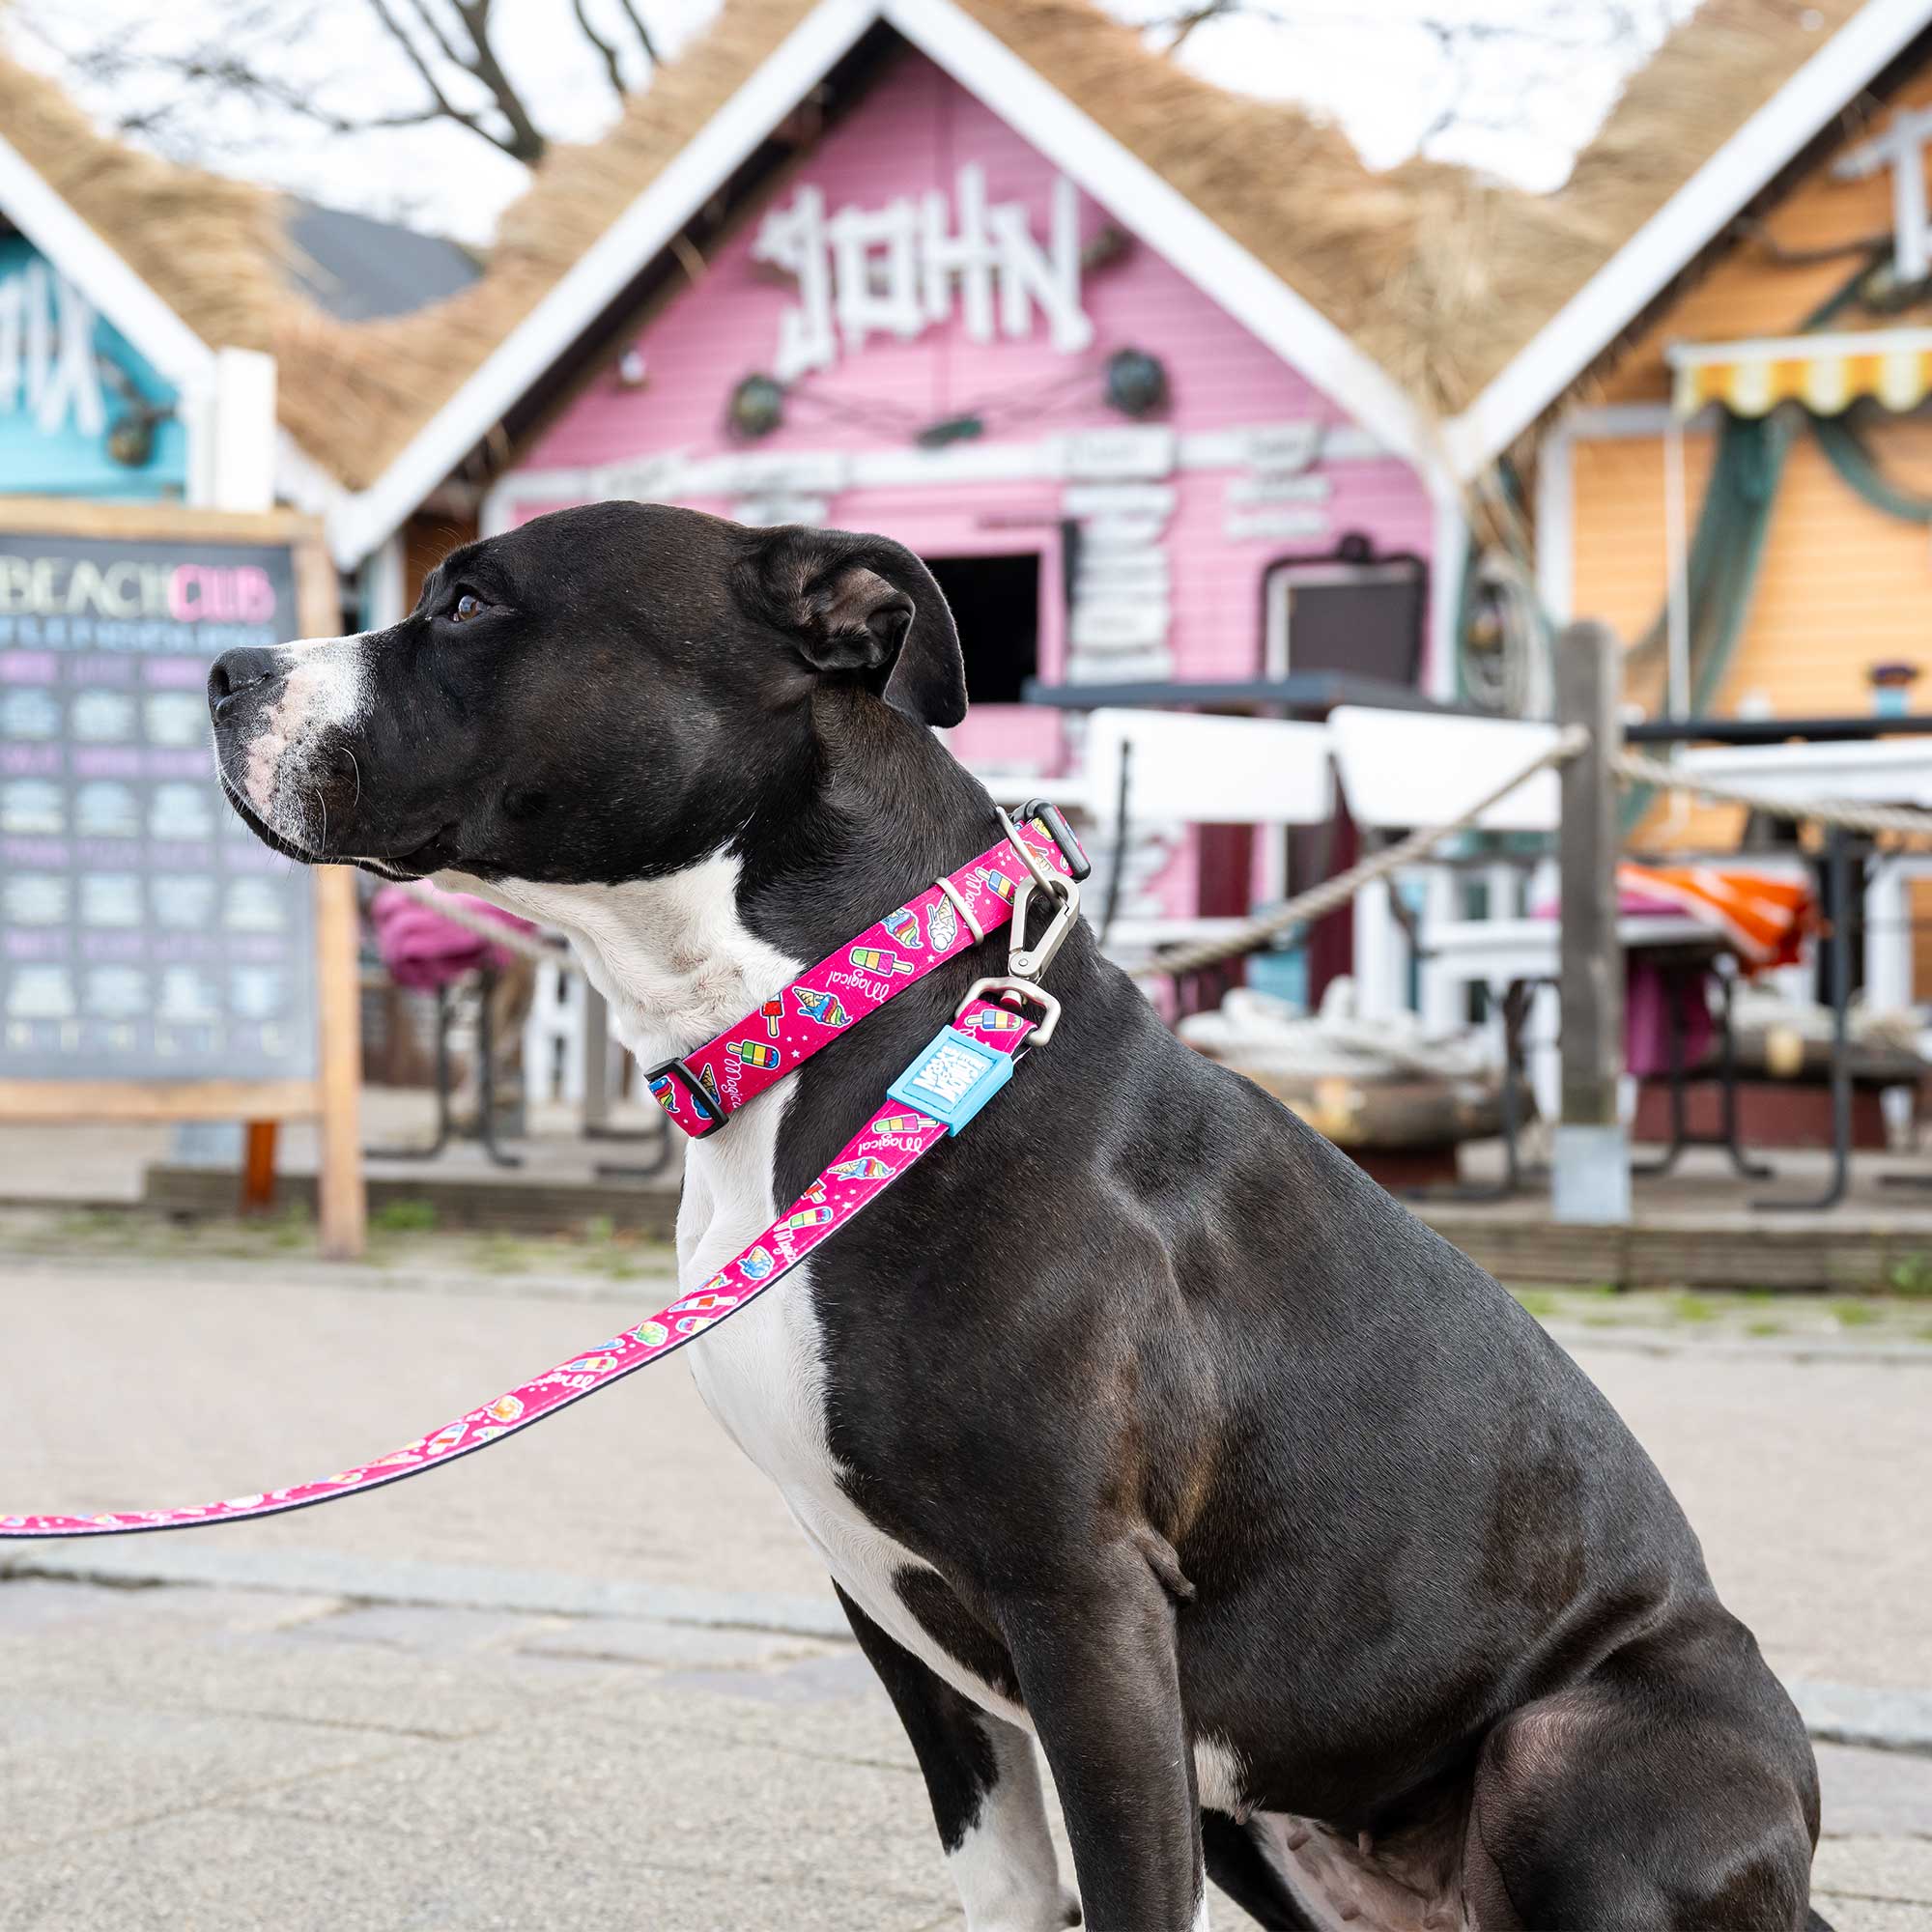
(950, 1079)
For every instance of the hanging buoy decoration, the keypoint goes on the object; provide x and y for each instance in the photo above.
(757, 407)
(1136, 383)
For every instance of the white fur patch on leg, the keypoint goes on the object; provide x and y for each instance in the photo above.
(1005, 1869)
(1218, 1776)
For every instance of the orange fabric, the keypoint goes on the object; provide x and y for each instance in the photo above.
(1765, 919)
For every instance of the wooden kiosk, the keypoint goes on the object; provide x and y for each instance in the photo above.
(156, 961)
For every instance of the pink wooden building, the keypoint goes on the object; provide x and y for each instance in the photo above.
(957, 311)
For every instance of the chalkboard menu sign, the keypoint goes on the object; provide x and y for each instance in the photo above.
(156, 961)
(145, 934)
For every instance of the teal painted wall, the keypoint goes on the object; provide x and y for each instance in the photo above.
(67, 377)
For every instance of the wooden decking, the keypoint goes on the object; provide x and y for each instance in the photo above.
(1704, 1226)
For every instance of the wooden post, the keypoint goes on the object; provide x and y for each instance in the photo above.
(1592, 1180)
(595, 1047)
(257, 1166)
(340, 1196)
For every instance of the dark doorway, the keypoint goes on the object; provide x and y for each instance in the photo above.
(995, 601)
(1352, 610)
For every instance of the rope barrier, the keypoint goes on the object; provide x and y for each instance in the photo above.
(1330, 894)
(1633, 767)
(1851, 813)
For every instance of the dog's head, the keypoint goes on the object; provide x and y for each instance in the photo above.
(603, 695)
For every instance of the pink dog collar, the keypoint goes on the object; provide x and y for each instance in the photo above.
(708, 1084)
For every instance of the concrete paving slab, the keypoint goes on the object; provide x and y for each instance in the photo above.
(1810, 1483)
(1875, 1870)
(70, 1770)
(669, 1646)
(334, 1686)
(538, 1656)
(429, 1631)
(1851, 1713)
(1864, 1914)
(726, 1808)
(699, 1799)
(233, 1870)
(1874, 1793)
(29, 1604)
(194, 1558)
(1810, 1486)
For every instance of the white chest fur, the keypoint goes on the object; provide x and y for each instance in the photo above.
(678, 964)
(764, 1373)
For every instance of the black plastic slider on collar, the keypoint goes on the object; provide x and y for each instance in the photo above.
(1053, 822)
(709, 1111)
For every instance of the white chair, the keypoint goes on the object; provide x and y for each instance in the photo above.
(554, 1038)
(1403, 769)
(1169, 769)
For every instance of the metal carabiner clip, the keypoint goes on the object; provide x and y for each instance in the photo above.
(1027, 962)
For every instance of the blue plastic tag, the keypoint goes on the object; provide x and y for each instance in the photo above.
(953, 1078)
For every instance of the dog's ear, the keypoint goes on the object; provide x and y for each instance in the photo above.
(861, 607)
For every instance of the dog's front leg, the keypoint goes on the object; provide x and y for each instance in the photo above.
(983, 1780)
(1096, 1665)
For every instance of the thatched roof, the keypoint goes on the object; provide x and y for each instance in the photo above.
(209, 246)
(1439, 276)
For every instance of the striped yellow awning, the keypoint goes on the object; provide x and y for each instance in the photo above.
(1825, 373)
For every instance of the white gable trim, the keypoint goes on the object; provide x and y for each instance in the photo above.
(302, 481)
(1590, 320)
(599, 275)
(983, 64)
(162, 337)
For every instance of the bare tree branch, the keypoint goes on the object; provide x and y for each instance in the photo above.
(642, 32)
(603, 48)
(444, 45)
(526, 143)
(446, 107)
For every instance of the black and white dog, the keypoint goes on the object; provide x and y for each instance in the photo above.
(1137, 1420)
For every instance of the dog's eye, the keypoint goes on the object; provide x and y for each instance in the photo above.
(466, 607)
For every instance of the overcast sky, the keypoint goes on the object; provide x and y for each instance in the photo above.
(1527, 83)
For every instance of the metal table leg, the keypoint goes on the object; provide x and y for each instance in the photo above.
(659, 1139)
(1680, 1131)
(1516, 1006)
(442, 1121)
(1681, 1136)
(1740, 1161)
(486, 1075)
(1838, 969)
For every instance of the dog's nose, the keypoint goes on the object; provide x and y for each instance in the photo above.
(234, 673)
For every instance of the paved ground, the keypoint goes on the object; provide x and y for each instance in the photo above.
(592, 1679)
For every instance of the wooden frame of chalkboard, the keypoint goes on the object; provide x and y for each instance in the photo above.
(330, 1095)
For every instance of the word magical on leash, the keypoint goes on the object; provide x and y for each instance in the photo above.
(957, 1072)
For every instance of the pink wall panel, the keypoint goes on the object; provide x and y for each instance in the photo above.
(912, 135)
